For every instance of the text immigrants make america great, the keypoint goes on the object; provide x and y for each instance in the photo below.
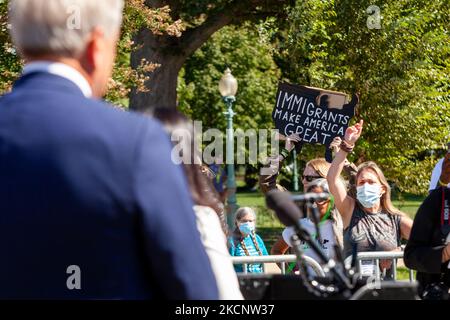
(316, 115)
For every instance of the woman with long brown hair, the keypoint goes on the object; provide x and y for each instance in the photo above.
(371, 222)
(208, 209)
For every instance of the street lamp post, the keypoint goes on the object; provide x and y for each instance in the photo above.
(228, 88)
(294, 155)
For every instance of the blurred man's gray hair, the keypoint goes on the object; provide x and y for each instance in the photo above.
(61, 27)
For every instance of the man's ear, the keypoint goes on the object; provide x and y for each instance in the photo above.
(89, 62)
(93, 50)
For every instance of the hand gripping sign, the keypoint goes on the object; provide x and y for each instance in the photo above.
(316, 115)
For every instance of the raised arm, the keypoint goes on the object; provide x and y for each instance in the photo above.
(268, 175)
(344, 203)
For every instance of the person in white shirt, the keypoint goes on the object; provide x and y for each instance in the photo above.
(436, 179)
(328, 212)
(434, 182)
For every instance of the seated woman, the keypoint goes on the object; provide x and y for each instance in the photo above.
(371, 222)
(329, 221)
(244, 240)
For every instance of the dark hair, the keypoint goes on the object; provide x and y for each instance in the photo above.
(201, 188)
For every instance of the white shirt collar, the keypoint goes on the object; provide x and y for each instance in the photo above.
(62, 70)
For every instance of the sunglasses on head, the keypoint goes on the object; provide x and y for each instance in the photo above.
(311, 178)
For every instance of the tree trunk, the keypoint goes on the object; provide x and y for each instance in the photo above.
(171, 52)
(162, 83)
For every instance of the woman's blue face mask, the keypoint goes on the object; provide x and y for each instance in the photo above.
(368, 194)
(247, 227)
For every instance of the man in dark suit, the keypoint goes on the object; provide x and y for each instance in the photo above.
(91, 205)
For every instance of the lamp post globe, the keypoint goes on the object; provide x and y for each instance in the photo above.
(228, 85)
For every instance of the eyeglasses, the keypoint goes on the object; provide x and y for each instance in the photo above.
(311, 178)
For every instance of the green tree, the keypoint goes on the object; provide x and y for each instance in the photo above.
(202, 18)
(136, 16)
(400, 71)
(249, 58)
(10, 65)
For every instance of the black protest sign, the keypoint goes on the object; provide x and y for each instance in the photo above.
(316, 115)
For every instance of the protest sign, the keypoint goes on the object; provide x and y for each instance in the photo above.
(316, 115)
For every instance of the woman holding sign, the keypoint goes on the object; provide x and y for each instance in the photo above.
(371, 222)
(315, 171)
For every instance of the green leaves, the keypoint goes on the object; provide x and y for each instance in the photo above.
(401, 72)
(250, 60)
(136, 16)
(10, 64)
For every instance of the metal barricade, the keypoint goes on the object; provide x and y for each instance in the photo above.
(375, 257)
(283, 259)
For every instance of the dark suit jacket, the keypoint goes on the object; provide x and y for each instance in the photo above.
(85, 185)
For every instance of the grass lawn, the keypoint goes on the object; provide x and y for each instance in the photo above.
(403, 273)
(409, 204)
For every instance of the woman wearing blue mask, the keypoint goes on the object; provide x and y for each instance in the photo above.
(371, 222)
(245, 241)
